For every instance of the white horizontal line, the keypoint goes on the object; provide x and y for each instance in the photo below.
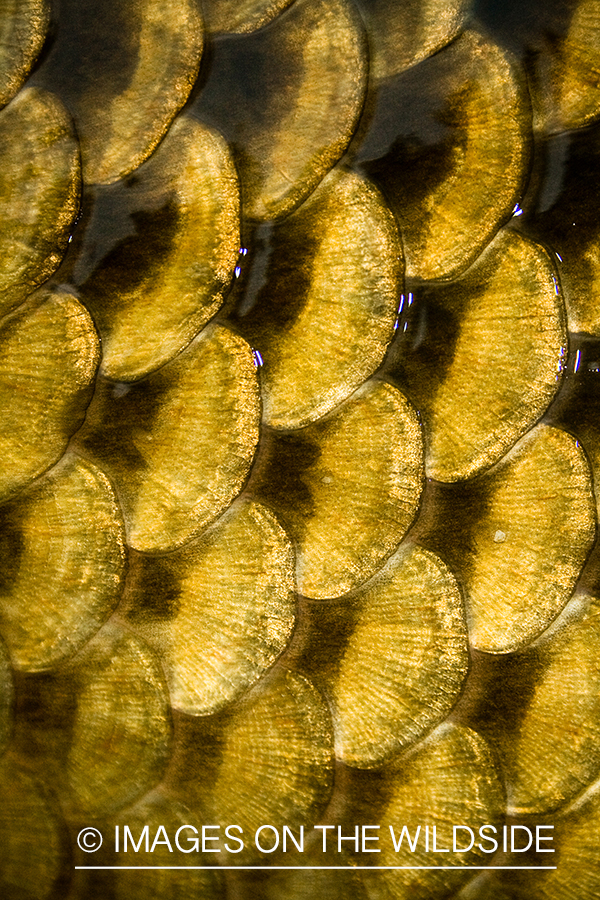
(310, 868)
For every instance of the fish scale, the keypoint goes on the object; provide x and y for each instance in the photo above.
(320, 564)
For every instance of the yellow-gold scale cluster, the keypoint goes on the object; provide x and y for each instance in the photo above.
(299, 362)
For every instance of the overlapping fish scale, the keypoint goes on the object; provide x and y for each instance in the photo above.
(49, 354)
(115, 736)
(449, 144)
(63, 559)
(210, 580)
(404, 663)
(555, 754)
(347, 487)
(152, 292)
(289, 124)
(123, 70)
(179, 443)
(221, 610)
(326, 312)
(23, 28)
(403, 34)
(40, 180)
(489, 370)
(276, 763)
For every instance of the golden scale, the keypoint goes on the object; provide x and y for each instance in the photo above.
(299, 361)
